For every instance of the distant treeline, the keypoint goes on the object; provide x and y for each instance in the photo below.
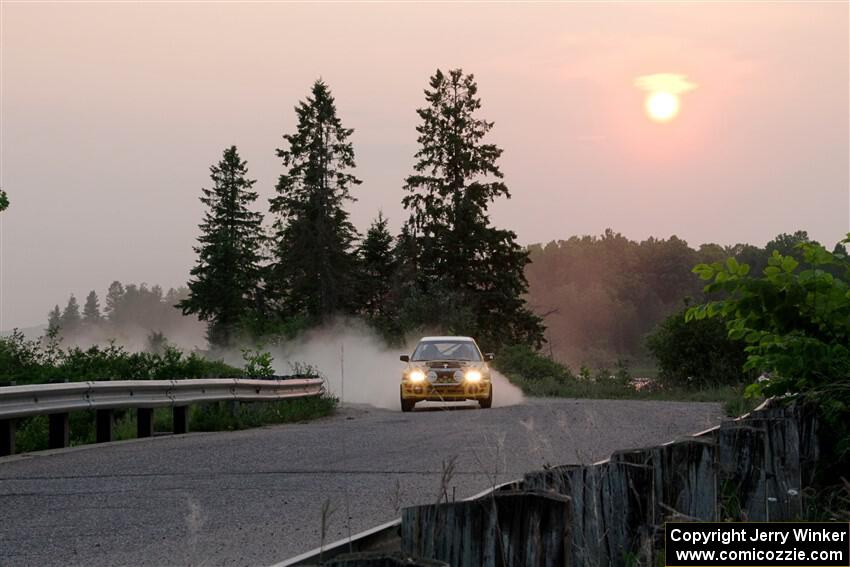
(134, 315)
(602, 296)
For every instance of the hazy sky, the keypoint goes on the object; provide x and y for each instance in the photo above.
(112, 114)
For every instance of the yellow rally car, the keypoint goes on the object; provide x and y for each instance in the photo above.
(446, 369)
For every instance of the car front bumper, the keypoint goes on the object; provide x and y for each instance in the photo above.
(425, 391)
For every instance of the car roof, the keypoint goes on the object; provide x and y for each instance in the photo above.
(466, 339)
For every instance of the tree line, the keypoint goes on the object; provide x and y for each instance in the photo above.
(132, 313)
(602, 297)
(448, 269)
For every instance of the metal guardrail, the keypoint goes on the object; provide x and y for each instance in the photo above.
(38, 399)
(59, 400)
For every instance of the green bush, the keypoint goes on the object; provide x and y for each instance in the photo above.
(796, 325)
(522, 361)
(696, 354)
(27, 361)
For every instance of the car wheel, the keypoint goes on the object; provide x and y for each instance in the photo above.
(488, 401)
(407, 405)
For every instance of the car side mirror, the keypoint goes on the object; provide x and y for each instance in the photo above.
(404, 358)
(489, 356)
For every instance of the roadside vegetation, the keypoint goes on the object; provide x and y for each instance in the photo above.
(38, 361)
(24, 361)
(538, 375)
(794, 320)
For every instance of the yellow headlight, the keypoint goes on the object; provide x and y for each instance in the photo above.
(416, 376)
(473, 376)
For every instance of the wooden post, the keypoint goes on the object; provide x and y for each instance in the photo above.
(7, 437)
(509, 529)
(741, 474)
(181, 420)
(59, 431)
(686, 480)
(144, 422)
(809, 429)
(627, 509)
(104, 426)
(782, 466)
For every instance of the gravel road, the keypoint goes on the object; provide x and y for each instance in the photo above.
(255, 497)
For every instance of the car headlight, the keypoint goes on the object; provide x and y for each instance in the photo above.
(473, 376)
(416, 376)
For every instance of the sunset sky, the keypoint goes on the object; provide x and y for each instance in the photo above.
(112, 114)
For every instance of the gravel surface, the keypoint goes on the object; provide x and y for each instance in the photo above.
(255, 497)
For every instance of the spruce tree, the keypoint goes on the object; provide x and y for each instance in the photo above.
(471, 273)
(54, 319)
(225, 278)
(312, 274)
(377, 267)
(70, 320)
(113, 300)
(91, 310)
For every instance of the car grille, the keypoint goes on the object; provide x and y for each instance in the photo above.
(445, 378)
(445, 365)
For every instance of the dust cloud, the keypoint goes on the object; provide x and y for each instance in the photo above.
(359, 368)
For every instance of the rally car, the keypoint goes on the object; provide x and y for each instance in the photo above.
(446, 369)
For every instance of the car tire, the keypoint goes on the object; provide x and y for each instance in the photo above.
(407, 405)
(488, 401)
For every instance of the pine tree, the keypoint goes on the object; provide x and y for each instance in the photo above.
(70, 320)
(313, 266)
(113, 300)
(471, 273)
(91, 310)
(377, 267)
(225, 279)
(54, 319)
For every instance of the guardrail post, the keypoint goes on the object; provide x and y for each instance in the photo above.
(181, 419)
(104, 426)
(144, 422)
(59, 431)
(7, 437)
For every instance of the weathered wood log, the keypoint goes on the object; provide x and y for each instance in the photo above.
(581, 484)
(381, 560)
(782, 466)
(792, 452)
(741, 472)
(810, 449)
(507, 529)
(686, 480)
(629, 509)
(611, 507)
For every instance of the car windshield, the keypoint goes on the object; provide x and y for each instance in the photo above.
(446, 350)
